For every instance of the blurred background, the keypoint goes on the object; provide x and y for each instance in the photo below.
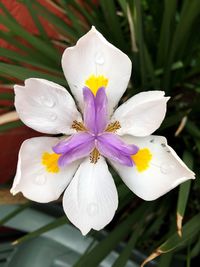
(162, 39)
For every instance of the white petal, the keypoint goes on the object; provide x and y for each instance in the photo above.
(93, 54)
(166, 169)
(142, 114)
(90, 201)
(32, 178)
(45, 106)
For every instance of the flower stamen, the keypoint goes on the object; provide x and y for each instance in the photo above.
(78, 126)
(94, 156)
(113, 127)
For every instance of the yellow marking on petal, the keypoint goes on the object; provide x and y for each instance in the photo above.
(142, 159)
(50, 161)
(95, 82)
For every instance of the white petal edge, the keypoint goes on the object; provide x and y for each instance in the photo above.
(45, 106)
(93, 54)
(91, 199)
(166, 169)
(32, 178)
(142, 114)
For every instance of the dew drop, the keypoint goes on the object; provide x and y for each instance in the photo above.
(53, 117)
(40, 180)
(166, 168)
(92, 209)
(129, 123)
(46, 101)
(99, 59)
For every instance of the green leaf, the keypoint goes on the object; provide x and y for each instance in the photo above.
(140, 40)
(6, 96)
(39, 44)
(34, 15)
(171, 121)
(192, 129)
(23, 73)
(160, 214)
(188, 256)
(63, 27)
(10, 125)
(78, 23)
(125, 196)
(190, 230)
(197, 141)
(24, 50)
(14, 213)
(110, 14)
(175, 66)
(165, 32)
(183, 196)
(125, 254)
(50, 226)
(29, 60)
(196, 248)
(165, 260)
(189, 12)
(90, 16)
(102, 249)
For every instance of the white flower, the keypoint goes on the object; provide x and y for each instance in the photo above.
(98, 74)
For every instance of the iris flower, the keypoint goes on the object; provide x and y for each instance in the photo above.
(98, 74)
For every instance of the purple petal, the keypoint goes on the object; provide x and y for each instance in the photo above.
(89, 109)
(77, 146)
(76, 153)
(101, 104)
(111, 146)
(116, 142)
(72, 142)
(114, 154)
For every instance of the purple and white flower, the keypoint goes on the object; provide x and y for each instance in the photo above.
(98, 74)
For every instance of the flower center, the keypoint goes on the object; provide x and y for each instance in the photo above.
(95, 136)
(111, 128)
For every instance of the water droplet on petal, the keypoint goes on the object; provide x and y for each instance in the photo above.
(128, 123)
(47, 101)
(99, 59)
(40, 179)
(167, 168)
(92, 209)
(53, 117)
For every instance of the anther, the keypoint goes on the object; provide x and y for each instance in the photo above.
(113, 127)
(94, 156)
(78, 126)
